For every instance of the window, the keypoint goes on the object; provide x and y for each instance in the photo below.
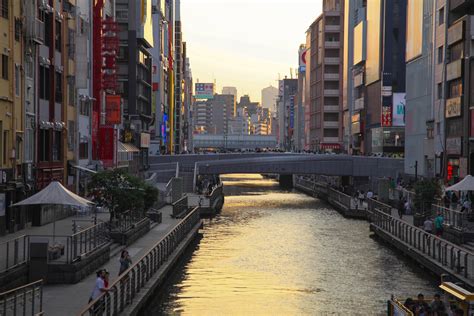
(57, 145)
(71, 91)
(71, 43)
(44, 82)
(17, 29)
(17, 80)
(455, 88)
(5, 67)
(456, 51)
(71, 132)
(4, 8)
(441, 16)
(29, 142)
(44, 145)
(440, 91)
(440, 54)
(59, 88)
(84, 108)
(57, 41)
(83, 150)
(48, 28)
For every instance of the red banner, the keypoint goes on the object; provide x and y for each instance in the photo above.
(113, 110)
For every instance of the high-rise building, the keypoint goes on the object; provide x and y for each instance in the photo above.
(326, 47)
(134, 61)
(233, 91)
(424, 68)
(269, 97)
(375, 75)
(246, 103)
(288, 89)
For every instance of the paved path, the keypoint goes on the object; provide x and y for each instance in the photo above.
(68, 299)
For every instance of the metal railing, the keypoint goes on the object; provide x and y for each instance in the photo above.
(15, 253)
(180, 206)
(23, 300)
(125, 288)
(69, 248)
(379, 206)
(452, 257)
(127, 220)
(451, 217)
(340, 197)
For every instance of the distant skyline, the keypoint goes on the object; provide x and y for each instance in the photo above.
(245, 43)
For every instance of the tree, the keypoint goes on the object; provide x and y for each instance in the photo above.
(425, 193)
(119, 192)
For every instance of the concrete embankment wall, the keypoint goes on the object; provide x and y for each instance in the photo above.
(148, 291)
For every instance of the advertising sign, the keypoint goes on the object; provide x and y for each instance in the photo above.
(302, 63)
(112, 110)
(144, 140)
(386, 116)
(453, 146)
(398, 115)
(453, 107)
(204, 91)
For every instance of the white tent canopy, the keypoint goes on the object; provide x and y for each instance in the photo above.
(55, 194)
(467, 184)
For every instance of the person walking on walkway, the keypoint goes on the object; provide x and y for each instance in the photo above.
(439, 225)
(125, 261)
(400, 208)
(99, 288)
(428, 225)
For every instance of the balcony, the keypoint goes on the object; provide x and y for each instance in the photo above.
(331, 124)
(37, 32)
(331, 108)
(359, 104)
(331, 76)
(332, 61)
(460, 5)
(332, 44)
(331, 92)
(332, 28)
(454, 70)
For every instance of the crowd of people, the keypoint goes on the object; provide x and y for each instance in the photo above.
(437, 307)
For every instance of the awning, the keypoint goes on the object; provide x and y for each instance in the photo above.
(83, 169)
(330, 146)
(127, 148)
(126, 151)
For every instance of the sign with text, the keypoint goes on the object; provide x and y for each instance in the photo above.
(112, 110)
(453, 107)
(204, 91)
(453, 146)
(144, 140)
(398, 116)
(386, 116)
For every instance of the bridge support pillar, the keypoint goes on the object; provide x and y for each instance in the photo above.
(286, 181)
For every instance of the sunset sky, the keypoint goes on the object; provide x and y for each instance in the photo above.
(245, 43)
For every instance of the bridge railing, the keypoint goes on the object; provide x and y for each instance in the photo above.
(455, 219)
(125, 288)
(373, 205)
(23, 300)
(180, 206)
(342, 198)
(454, 258)
(310, 184)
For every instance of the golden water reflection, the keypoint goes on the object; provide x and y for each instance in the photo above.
(273, 252)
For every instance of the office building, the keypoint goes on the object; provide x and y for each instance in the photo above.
(269, 97)
(233, 91)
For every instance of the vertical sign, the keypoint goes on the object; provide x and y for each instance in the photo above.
(292, 111)
(386, 119)
(398, 116)
(113, 110)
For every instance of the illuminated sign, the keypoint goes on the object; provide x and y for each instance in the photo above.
(204, 91)
(386, 120)
(112, 110)
(398, 115)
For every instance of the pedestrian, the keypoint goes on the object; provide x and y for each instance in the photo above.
(420, 306)
(454, 201)
(439, 225)
(361, 198)
(370, 194)
(437, 305)
(99, 288)
(447, 200)
(407, 207)
(106, 278)
(466, 205)
(400, 207)
(428, 225)
(125, 261)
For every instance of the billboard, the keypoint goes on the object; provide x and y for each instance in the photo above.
(302, 58)
(386, 119)
(204, 91)
(398, 116)
(292, 111)
(414, 29)
(113, 113)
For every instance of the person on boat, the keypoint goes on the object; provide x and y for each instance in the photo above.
(420, 306)
(437, 305)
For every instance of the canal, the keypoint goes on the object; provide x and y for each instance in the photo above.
(278, 252)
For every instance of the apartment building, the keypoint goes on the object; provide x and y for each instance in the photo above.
(325, 74)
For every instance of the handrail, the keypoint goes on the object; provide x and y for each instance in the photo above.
(451, 256)
(129, 283)
(18, 257)
(180, 206)
(452, 217)
(22, 300)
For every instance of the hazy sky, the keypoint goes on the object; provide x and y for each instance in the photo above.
(245, 43)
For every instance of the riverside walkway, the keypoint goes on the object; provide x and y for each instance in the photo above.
(68, 299)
